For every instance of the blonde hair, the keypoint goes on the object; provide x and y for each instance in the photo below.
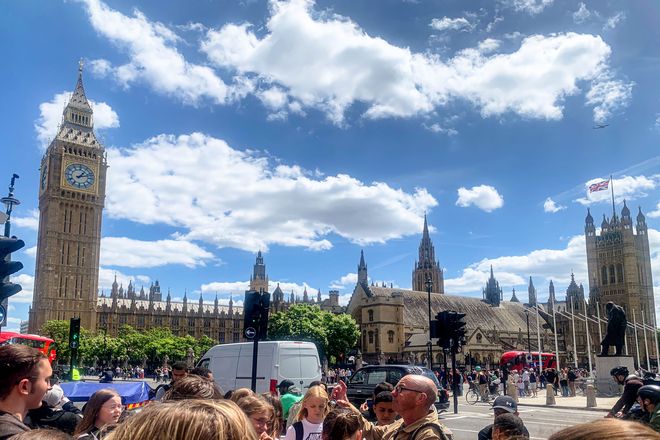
(187, 420)
(311, 393)
(239, 393)
(612, 429)
(255, 405)
(277, 413)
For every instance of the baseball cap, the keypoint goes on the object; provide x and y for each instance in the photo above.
(286, 383)
(506, 403)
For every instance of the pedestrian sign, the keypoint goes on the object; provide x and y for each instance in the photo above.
(528, 358)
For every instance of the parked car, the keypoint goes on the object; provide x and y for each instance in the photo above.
(361, 384)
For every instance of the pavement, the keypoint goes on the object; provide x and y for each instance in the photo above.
(577, 402)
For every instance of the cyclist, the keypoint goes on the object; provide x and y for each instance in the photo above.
(648, 397)
(631, 384)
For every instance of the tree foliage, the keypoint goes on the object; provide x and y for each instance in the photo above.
(334, 335)
(129, 347)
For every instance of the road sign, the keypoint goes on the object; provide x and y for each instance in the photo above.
(528, 358)
(250, 333)
(3, 314)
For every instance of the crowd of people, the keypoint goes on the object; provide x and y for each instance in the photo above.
(193, 407)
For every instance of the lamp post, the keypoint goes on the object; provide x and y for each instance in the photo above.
(529, 346)
(9, 202)
(429, 284)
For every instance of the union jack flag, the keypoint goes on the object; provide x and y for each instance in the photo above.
(599, 186)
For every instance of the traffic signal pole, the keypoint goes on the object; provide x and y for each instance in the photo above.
(454, 382)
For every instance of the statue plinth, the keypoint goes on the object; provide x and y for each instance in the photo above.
(605, 385)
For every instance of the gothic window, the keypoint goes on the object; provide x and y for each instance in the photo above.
(237, 324)
(221, 337)
(207, 323)
(612, 277)
(377, 340)
(371, 337)
(222, 323)
(619, 273)
(191, 322)
(479, 337)
(175, 322)
(364, 339)
(159, 321)
(237, 337)
(390, 337)
(122, 319)
(141, 321)
(371, 315)
(603, 275)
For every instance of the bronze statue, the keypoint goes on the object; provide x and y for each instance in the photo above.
(616, 329)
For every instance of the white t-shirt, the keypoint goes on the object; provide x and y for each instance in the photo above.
(311, 431)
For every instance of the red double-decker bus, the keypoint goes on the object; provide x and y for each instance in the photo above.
(45, 345)
(517, 360)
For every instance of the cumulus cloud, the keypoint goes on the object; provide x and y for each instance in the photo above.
(456, 24)
(350, 279)
(625, 188)
(582, 14)
(614, 20)
(154, 58)
(30, 222)
(531, 7)
(551, 206)
(247, 202)
(437, 128)
(107, 277)
(27, 283)
(655, 213)
(484, 197)
(127, 252)
(608, 96)
(50, 117)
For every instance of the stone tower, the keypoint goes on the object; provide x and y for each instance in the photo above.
(363, 277)
(492, 293)
(531, 293)
(426, 266)
(71, 200)
(259, 279)
(619, 265)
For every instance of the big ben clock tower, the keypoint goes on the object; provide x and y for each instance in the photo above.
(71, 199)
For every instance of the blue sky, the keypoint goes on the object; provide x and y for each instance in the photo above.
(311, 130)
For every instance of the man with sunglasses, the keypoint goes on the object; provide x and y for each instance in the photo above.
(24, 379)
(413, 399)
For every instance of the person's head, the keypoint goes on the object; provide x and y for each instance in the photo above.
(508, 426)
(202, 372)
(341, 424)
(619, 374)
(504, 405)
(259, 412)
(179, 370)
(103, 408)
(42, 434)
(239, 393)
(24, 377)
(278, 413)
(413, 395)
(284, 386)
(384, 408)
(648, 397)
(193, 387)
(610, 429)
(318, 383)
(314, 405)
(383, 386)
(187, 420)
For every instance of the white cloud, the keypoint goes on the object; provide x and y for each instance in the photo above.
(437, 128)
(608, 96)
(248, 203)
(350, 279)
(350, 66)
(531, 7)
(582, 14)
(30, 222)
(551, 206)
(614, 20)
(625, 188)
(484, 197)
(107, 277)
(31, 251)
(655, 213)
(126, 252)
(456, 24)
(154, 57)
(50, 117)
(27, 283)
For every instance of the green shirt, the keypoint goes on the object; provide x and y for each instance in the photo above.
(654, 423)
(287, 401)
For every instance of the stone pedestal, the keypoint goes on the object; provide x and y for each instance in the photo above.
(550, 395)
(605, 385)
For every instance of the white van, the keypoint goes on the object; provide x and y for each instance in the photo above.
(231, 364)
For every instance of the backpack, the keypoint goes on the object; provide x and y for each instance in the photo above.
(433, 425)
(300, 430)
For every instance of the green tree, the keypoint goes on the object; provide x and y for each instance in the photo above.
(332, 334)
(58, 330)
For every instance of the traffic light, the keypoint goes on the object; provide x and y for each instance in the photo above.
(440, 329)
(8, 267)
(457, 329)
(74, 333)
(255, 315)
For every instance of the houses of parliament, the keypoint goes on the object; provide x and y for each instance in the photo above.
(393, 322)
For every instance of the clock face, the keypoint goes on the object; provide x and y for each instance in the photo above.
(79, 176)
(44, 177)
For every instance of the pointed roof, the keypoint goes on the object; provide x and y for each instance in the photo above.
(513, 296)
(589, 218)
(78, 99)
(362, 263)
(425, 233)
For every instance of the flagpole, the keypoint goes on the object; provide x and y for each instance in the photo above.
(586, 325)
(574, 343)
(538, 337)
(646, 343)
(639, 364)
(612, 187)
(554, 325)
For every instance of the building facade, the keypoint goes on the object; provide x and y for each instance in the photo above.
(71, 199)
(427, 268)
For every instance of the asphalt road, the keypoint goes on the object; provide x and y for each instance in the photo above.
(540, 422)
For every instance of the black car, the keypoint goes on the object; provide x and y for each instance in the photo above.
(362, 383)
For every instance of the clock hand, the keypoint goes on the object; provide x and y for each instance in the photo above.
(82, 173)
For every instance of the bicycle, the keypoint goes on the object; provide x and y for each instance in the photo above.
(473, 395)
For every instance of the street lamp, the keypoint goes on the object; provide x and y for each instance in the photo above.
(429, 284)
(9, 202)
(529, 346)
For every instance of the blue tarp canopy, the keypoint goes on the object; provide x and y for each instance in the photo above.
(130, 392)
